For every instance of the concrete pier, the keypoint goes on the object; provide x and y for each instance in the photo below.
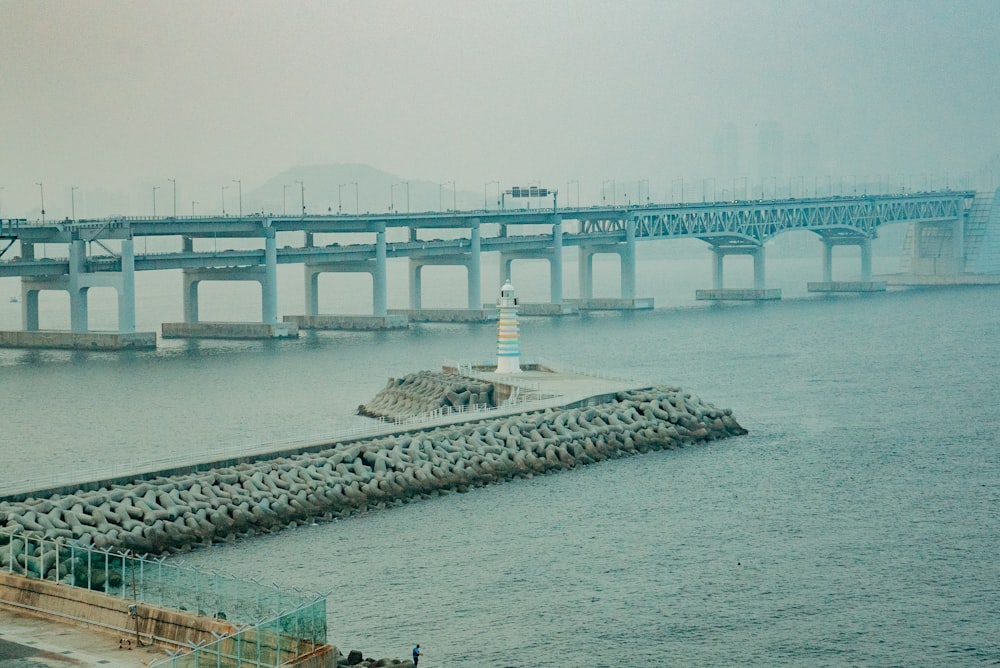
(547, 309)
(229, 330)
(448, 314)
(846, 286)
(613, 303)
(917, 280)
(738, 294)
(355, 323)
(78, 340)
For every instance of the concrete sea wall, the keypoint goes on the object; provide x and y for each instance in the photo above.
(173, 513)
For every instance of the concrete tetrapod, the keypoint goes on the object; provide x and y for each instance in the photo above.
(168, 514)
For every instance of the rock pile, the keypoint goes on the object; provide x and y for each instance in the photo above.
(426, 391)
(173, 513)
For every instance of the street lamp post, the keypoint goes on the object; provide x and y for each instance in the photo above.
(340, 199)
(155, 188)
(407, 183)
(224, 199)
(284, 200)
(614, 197)
(454, 195)
(240, 184)
(302, 194)
(192, 206)
(72, 201)
(577, 182)
(638, 191)
(681, 179)
(41, 194)
(703, 189)
(487, 185)
(392, 187)
(174, 182)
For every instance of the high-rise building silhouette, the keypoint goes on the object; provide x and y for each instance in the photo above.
(770, 150)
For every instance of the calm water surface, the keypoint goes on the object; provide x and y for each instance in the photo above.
(857, 523)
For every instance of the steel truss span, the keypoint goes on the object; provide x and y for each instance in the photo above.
(754, 222)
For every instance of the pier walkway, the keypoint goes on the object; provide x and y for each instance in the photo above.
(28, 641)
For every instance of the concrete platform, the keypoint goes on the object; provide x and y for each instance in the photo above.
(78, 340)
(229, 330)
(846, 286)
(349, 322)
(29, 641)
(613, 304)
(449, 314)
(543, 308)
(738, 294)
(922, 280)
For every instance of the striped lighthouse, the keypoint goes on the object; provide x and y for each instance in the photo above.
(508, 336)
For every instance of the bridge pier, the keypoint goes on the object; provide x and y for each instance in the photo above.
(866, 284)
(472, 261)
(720, 293)
(77, 283)
(627, 301)
(376, 267)
(265, 274)
(554, 259)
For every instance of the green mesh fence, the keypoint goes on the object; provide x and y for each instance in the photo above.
(274, 625)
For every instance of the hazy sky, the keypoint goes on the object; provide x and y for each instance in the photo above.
(111, 94)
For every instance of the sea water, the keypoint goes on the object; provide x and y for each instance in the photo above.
(856, 524)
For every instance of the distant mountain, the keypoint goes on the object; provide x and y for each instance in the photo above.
(351, 188)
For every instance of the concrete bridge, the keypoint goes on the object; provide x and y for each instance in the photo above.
(954, 237)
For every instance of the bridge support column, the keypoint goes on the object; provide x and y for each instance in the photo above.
(628, 261)
(758, 268)
(827, 261)
(312, 291)
(29, 308)
(505, 262)
(555, 264)
(474, 278)
(126, 289)
(379, 279)
(77, 290)
(269, 281)
(866, 259)
(190, 296)
(717, 264)
(415, 268)
(586, 273)
(29, 294)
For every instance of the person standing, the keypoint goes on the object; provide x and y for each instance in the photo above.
(416, 655)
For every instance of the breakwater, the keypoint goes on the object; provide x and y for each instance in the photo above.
(428, 391)
(166, 514)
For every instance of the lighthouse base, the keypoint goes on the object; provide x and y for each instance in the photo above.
(508, 365)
